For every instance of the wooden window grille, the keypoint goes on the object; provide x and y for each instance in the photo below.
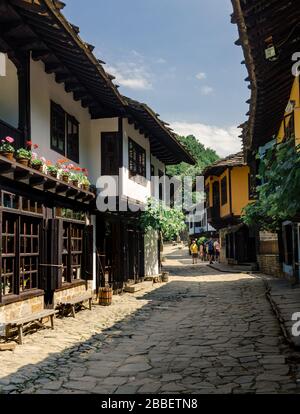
(73, 235)
(137, 159)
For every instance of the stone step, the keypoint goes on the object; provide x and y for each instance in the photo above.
(136, 288)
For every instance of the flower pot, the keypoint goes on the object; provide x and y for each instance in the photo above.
(23, 161)
(52, 174)
(65, 178)
(75, 183)
(37, 167)
(8, 155)
(85, 187)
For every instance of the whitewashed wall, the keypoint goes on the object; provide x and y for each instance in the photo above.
(151, 253)
(130, 188)
(9, 95)
(44, 88)
(158, 165)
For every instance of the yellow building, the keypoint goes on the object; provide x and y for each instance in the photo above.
(270, 41)
(290, 126)
(227, 184)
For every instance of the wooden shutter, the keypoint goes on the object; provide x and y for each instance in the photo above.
(55, 232)
(88, 249)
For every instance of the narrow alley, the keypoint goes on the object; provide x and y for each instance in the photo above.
(203, 332)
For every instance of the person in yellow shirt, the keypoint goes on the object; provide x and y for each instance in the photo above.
(194, 251)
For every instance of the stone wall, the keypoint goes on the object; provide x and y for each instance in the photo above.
(270, 265)
(20, 309)
(64, 295)
(223, 258)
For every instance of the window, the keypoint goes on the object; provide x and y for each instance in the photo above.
(137, 160)
(20, 253)
(73, 139)
(161, 186)
(29, 254)
(72, 252)
(58, 129)
(64, 133)
(224, 194)
(152, 180)
(8, 257)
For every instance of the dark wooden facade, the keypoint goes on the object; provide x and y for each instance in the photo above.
(47, 240)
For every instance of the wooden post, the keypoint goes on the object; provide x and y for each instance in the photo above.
(20, 332)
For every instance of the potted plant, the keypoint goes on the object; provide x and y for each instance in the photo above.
(52, 170)
(23, 156)
(65, 175)
(74, 179)
(85, 183)
(7, 149)
(37, 164)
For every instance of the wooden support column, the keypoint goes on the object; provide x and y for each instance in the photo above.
(24, 97)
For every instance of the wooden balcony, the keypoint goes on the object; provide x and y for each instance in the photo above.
(213, 214)
(8, 130)
(12, 170)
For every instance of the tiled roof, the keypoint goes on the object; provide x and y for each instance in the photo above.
(234, 160)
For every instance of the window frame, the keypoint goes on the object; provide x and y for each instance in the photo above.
(224, 191)
(68, 137)
(138, 159)
(69, 254)
(20, 255)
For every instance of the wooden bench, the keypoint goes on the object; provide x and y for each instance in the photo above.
(35, 317)
(76, 301)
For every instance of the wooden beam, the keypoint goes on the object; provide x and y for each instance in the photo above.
(73, 87)
(53, 67)
(40, 54)
(64, 77)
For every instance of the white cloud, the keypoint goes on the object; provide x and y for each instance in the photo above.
(131, 75)
(161, 61)
(224, 141)
(201, 76)
(207, 90)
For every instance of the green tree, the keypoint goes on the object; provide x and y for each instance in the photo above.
(203, 156)
(169, 222)
(278, 197)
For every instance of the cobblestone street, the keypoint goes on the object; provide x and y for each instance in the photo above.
(203, 332)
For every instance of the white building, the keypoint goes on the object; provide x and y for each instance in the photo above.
(56, 94)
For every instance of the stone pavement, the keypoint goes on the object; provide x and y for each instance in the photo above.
(203, 332)
(285, 300)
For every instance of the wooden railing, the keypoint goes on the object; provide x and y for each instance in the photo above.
(8, 130)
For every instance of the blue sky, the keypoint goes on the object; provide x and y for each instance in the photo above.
(178, 56)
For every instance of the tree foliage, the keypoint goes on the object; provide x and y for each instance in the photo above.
(169, 222)
(279, 194)
(203, 156)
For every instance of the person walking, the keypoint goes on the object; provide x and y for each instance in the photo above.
(194, 251)
(217, 251)
(210, 251)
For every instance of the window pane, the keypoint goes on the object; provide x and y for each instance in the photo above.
(58, 128)
(137, 159)
(73, 140)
